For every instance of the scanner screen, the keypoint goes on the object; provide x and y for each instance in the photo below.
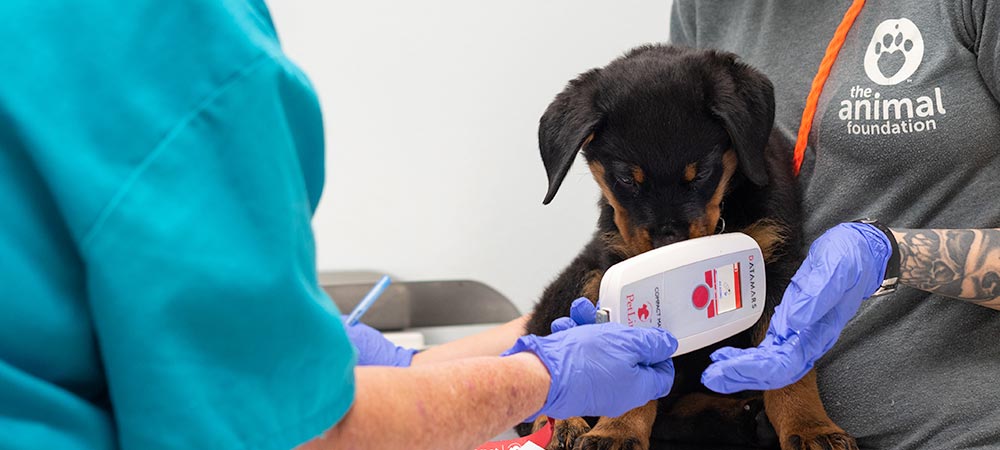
(727, 288)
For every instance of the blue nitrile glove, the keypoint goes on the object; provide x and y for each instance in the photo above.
(602, 370)
(582, 312)
(844, 267)
(374, 349)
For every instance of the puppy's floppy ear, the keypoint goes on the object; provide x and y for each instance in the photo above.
(744, 100)
(567, 125)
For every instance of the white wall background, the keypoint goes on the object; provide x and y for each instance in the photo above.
(431, 111)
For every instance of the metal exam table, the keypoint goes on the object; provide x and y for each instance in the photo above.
(441, 311)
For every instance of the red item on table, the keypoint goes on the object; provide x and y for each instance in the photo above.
(540, 438)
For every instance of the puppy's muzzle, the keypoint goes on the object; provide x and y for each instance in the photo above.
(668, 234)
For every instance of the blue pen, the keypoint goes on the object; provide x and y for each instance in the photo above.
(367, 302)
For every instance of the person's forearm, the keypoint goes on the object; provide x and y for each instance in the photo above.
(450, 405)
(491, 342)
(963, 264)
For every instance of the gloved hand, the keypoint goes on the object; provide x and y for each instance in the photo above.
(602, 370)
(582, 312)
(374, 349)
(844, 267)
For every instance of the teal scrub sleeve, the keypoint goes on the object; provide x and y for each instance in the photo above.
(202, 283)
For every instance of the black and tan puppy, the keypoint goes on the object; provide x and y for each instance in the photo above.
(680, 143)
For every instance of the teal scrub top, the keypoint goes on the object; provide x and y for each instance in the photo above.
(161, 162)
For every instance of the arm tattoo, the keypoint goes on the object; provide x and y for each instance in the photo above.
(963, 264)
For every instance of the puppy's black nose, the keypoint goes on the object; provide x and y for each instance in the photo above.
(668, 234)
(667, 229)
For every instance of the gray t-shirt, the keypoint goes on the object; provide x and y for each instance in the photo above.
(907, 131)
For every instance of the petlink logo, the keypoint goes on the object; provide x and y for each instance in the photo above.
(630, 309)
(641, 305)
(893, 56)
(644, 312)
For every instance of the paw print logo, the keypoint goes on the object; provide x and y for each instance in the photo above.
(895, 52)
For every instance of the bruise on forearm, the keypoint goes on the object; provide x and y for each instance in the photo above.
(963, 264)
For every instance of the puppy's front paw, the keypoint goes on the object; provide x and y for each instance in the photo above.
(609, 440)
(823, 438)
(565, 432)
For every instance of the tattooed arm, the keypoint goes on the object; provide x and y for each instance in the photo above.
(963, 264)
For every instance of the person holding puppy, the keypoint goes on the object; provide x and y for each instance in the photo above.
(905, 120)
(161, 163)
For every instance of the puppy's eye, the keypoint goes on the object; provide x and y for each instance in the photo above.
(626, 181)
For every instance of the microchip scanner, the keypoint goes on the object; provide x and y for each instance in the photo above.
(701, 290)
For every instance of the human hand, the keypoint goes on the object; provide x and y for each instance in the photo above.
(374, 349)
(602, 370)
(844, 267)
(582, 312)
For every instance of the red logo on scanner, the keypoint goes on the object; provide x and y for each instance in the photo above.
(643, 312)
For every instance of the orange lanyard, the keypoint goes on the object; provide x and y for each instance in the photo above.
(821, 75)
